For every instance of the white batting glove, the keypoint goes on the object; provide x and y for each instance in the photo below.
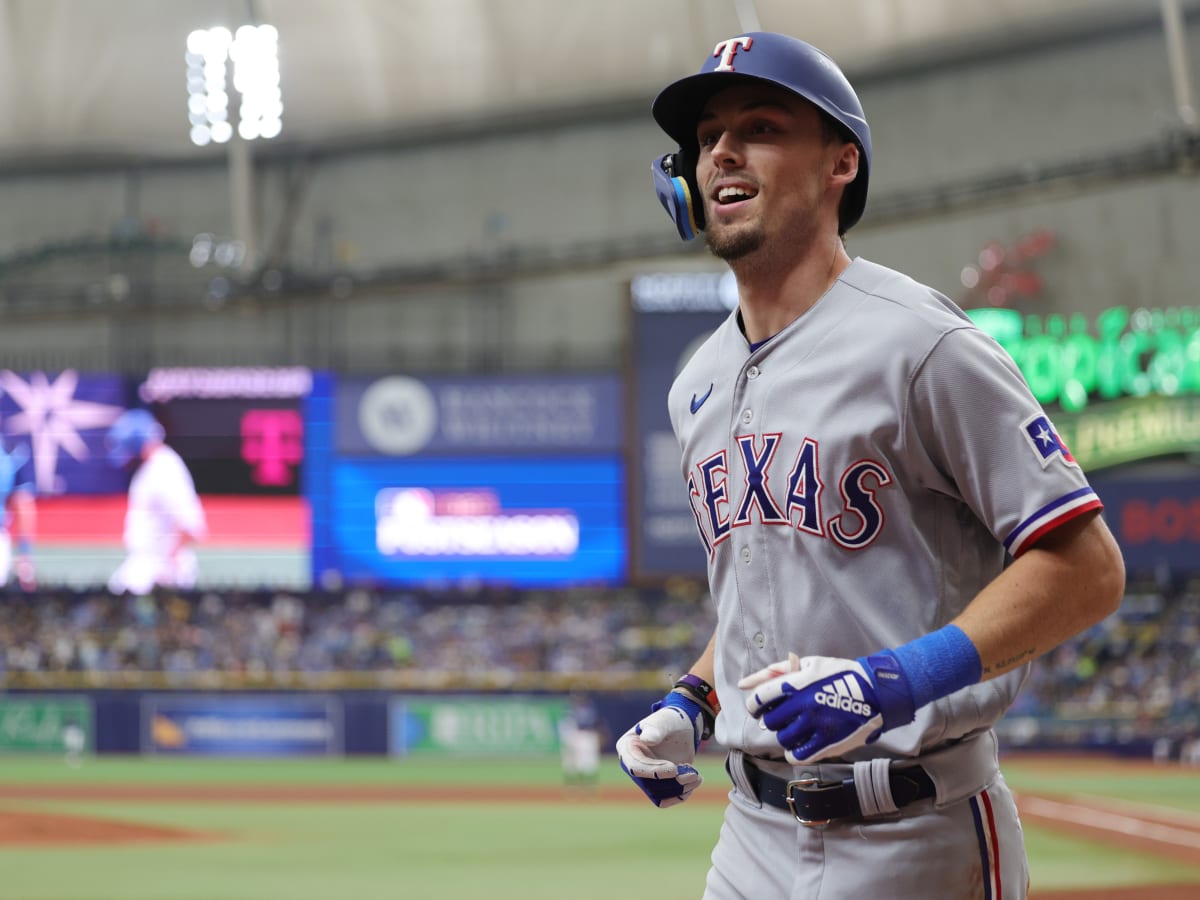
(658, 752)
(822, 707)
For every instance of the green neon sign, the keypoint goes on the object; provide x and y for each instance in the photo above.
(1126, 354)
(1121, 431)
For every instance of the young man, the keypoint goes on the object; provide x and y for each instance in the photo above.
(893, 527)
(164, 518)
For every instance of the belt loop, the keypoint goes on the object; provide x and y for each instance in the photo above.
(736, 767)
(874, 788)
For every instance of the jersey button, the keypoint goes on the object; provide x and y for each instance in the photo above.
(752, 372)
(747, 417)
(760, 640)
(745, 554)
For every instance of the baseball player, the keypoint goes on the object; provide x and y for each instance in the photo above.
(18, 514)
(893, 527)
(164, 518)
(579, 737)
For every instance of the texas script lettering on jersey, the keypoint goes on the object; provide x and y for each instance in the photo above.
(856, 523)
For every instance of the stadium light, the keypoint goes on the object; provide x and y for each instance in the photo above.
(254, 52)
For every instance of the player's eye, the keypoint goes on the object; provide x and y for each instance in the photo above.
(708, 138)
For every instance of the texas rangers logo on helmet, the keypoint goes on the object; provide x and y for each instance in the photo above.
(1045, 440)
(727, 49)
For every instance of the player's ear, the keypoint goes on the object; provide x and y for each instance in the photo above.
(844, 164)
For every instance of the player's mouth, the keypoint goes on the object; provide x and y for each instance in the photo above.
(731, 198)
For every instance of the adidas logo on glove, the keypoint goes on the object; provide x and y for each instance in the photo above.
(844, 694)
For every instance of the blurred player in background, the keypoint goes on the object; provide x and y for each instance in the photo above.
(164, 518)
(74, 742)
(581, 738)
(18, 517)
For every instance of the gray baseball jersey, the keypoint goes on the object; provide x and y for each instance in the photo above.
(856, 481)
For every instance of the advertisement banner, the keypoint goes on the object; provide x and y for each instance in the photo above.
(60, 419)
(1122, 431)
(399, 415)
(471, 726)
(267, 725)
(515, 521)
(672, 316)
(1156, 521)
(240, 430)
(44, 724)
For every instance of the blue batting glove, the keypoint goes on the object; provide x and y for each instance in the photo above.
(658, 752)
(822, 707)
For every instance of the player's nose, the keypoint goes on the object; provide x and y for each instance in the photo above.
(727, 152)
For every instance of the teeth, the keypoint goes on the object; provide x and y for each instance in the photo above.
(730, 194)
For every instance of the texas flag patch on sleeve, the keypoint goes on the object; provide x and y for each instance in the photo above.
(1045, 441)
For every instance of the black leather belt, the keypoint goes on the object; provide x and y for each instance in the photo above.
(818, 803)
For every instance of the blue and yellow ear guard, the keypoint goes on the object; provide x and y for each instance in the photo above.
(675, 184)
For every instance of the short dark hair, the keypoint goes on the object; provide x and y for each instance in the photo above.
(834, 132)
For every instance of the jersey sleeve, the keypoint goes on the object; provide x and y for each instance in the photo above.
(181, 501)
(981, 436)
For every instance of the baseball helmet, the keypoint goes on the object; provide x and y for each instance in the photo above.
(129, 434)
(764, 57)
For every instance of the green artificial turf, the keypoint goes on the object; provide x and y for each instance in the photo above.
(589, 848)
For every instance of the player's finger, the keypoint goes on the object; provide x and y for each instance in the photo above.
(791, 664)
(786, 711)
(684, 794)
(649, 767)
(771, 692)
(800, 731)
(811, 751)
(689, 777)
(654, 729)
(639, 760)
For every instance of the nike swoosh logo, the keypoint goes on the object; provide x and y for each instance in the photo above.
(699, 402)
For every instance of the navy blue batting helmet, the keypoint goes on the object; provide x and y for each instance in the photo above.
(129, 434)
(763, 57)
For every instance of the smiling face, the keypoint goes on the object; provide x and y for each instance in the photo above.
(770, 170)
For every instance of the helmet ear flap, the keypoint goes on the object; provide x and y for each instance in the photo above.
(675, 184)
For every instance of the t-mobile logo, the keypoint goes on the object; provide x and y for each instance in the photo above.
(272, 442)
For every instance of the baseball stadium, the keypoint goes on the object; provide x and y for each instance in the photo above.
(438, 438)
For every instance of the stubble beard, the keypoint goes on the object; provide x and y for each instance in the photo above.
(733, 244)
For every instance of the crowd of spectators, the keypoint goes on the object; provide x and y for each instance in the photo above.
(484, 629)
(1135, 676)
(1139, 669)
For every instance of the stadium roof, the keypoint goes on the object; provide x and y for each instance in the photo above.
(86, 80)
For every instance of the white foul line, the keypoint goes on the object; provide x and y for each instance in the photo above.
(1107, 821)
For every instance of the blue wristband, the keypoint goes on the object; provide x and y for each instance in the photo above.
(939, 663)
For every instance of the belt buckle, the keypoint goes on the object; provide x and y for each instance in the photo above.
(809, 784)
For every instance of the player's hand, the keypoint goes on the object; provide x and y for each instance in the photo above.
(822, 707)
(658, 752)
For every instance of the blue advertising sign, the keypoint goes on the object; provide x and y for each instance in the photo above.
(268, 725)
(399, 415)
(1156, 521)
(673, 315)
(61, 418)
(533, 521)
